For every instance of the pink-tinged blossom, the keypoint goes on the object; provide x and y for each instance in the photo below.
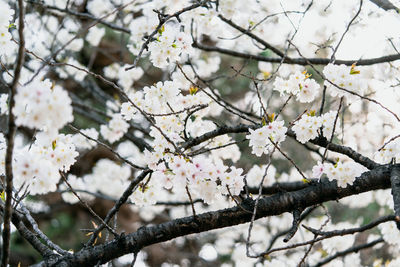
(318, 170)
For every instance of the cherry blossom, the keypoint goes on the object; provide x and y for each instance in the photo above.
(261, 139)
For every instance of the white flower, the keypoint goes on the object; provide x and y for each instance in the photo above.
(73, 72)
(41, 105)
(105, 173)
(390, 233)
(328, 121)
(115, 129)
(256, 173)
(147, 194)
(81, 142)
(37, 166)
(318, 170)
(94, 35)
(100, 8)
(344, 77)
(77, 184)
(3, 104)
(6, 45)
(126, 78)
(344, 173)
(260, 139)
(308, 91)
(169, 46)
(60, 151)
(307, 128)
(6, 14)
(338, 243)
(394, 262)
(299, 84)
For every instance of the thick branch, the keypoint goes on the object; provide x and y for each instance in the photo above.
(320, 141)
(395, 182)
(385, 5)
(268, 206)
(354, 155)
(28, 235)
(297, 61)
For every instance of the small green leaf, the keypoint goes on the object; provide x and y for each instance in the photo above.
(353, 69)
(193, 90)
(161, 30)
(263, 121)
(271, 117)
(311, 113)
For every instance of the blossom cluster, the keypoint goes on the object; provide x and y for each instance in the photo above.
(341, 78)
(81, 142)
(125, 78)
(204, 178)
(94, 35)
(6, 45)
(157, 100)
(263, 140)
(344, 173)
(72, 69)
(170, 46)
(390, 151)
(299, 84)
(3, 104)
(115, 128)
(307, 127)
(42, 105)
(37, 166)
(390, 233)
(106, 172)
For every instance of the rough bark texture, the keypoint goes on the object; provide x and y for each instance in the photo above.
(316, 193)
(395, 183)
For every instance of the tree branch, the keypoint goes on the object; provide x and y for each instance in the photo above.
(297, 61)
(12, 128)
(378, 178)
(320, 141)
(385, 5)
(395, 183)
(349, 251)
